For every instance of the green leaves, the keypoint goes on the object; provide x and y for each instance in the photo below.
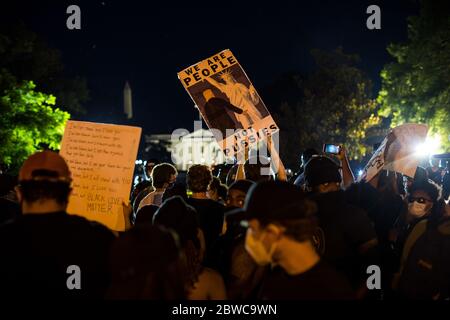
(416, 88)
(28, 121)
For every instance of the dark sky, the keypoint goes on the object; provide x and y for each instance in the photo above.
(147, 43)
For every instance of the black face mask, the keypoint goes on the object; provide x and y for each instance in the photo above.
(171, 184)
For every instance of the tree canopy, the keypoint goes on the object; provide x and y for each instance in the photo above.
(416, 87)
(334, 105)
(28, 121)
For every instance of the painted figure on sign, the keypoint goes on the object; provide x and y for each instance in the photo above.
(239, 96)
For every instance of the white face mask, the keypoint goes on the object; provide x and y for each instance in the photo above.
(417, 209)
(257, 251)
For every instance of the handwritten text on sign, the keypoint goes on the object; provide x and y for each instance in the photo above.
(101, 158)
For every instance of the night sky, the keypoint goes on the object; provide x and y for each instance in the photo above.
(147, 43)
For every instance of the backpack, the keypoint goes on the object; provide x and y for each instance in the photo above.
(425, 269)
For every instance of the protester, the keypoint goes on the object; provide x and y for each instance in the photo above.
(280, 233)
(143, 188)
(217, 191)
(435, 172)
(145, 214)
(202, 283)
(40, 249)
(446, 182)
(425, 263)
(178, 189)
(163, 176)
(241, 273)
(423, 203)
(210, 212)
(346, 238)
(237, 192)
(299, 177)
(258, 169)
(145, 263)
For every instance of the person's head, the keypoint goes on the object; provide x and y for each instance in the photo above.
(208, 94)
(216, 190)
(227, 77)
(145, 215)
(198, 178)
(258, 169)
(307, 155)
(44, 183)
(145, 263)
(178, 216)
(434, 162)
(149, 165)
(322, 175)
(274, 226)
(423, 199)
(178, 189)
(164, 175)
(237, 192)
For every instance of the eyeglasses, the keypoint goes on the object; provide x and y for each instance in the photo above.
(419, 200)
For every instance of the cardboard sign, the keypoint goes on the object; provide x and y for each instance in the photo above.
(397, 152)
(101, 158)
(228, 102)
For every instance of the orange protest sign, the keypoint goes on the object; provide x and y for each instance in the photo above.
(101, 158)
(228, 102)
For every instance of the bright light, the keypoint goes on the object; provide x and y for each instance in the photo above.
(429, 147)
(360, 173)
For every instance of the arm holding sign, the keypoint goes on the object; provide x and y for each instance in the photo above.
(347, 175)
(280, 170)
(240, 174)
(215, 83)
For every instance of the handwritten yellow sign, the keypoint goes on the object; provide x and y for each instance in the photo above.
(101, 158)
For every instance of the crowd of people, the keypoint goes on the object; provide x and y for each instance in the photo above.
(244, 236)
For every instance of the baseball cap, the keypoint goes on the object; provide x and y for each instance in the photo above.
(45, 165)
(276, 200)
(320, 170)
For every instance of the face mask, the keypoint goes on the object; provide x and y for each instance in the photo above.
(257, 251)
(417, 209)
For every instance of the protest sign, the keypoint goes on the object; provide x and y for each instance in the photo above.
(101, 158)
(228, 102)
(397, 152)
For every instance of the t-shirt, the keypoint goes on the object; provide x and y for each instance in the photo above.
(321, 282)
(154, 197)
(210, 216)
(36, 251)
(343, 228)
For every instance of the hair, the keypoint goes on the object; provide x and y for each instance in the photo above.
(300, 230)
(429, 187)
(145, 263)
(223, 192)
(33, 191)
(253, 166)
(178, 189)
(218, 187)
(241, 185)
(198, 178)
(308, 154)
(145, 215)
(175, 214)
(161, 174)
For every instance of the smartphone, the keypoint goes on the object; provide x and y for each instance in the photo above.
(331, 148)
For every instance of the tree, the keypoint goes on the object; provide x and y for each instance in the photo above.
(416, 87)
(27, 57)
(334, 106)
(28, 120)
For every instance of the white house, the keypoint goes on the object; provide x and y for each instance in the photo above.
(198, 147)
